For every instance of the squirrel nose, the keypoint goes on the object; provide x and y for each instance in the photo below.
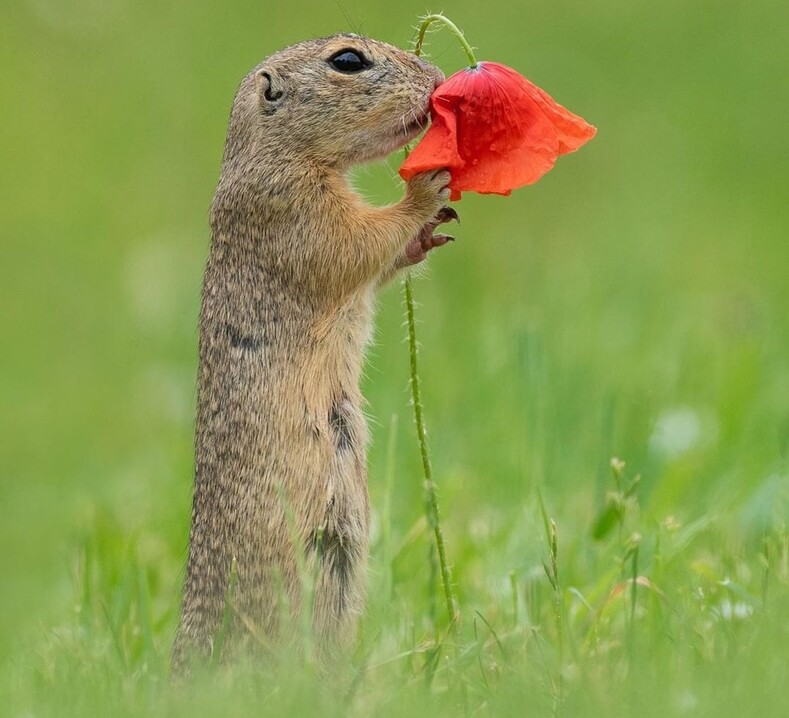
(438, 76)
(432, 71)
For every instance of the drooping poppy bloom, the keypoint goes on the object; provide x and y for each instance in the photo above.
(494, 131)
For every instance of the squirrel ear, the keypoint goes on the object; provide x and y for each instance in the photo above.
(271, 88)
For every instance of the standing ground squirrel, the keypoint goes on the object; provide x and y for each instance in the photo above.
(287, 304)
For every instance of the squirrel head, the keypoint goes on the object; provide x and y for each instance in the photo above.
(337, 101)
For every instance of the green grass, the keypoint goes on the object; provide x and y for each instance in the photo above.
(633, 306)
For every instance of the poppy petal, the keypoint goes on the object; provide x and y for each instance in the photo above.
(495, 131)
(438, 148)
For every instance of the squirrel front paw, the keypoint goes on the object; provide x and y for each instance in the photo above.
(428, 192)
(416, 250)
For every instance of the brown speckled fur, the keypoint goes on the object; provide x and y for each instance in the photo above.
(287, 306)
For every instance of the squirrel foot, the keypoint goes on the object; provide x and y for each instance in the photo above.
(417, 248)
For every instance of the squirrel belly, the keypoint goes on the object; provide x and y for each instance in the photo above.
(287, 306)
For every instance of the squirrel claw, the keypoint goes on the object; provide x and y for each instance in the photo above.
(438, 239)
(447, 214)
(418, 248)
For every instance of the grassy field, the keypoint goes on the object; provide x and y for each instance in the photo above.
(626, 317)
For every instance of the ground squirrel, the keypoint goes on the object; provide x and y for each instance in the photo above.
(287, 302)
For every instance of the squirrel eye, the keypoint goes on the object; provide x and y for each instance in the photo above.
(349, 61)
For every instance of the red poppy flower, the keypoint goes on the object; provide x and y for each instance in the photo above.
(494, 131)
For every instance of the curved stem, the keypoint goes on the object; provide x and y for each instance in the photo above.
(454, 29)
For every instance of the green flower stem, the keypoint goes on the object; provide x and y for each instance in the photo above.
(431, 498)
(454, 29)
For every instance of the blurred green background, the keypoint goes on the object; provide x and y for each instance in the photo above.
(634, 303)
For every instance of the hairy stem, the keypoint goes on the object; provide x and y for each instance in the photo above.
(428, 20)
(431, 499)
